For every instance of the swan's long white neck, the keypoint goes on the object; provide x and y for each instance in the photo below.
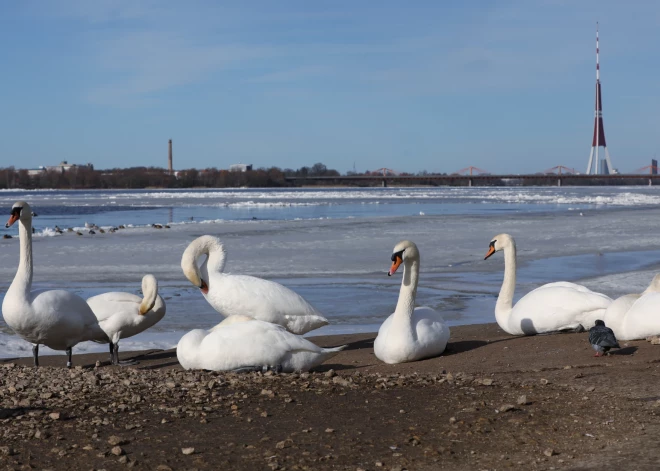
(406, 303)
(214, 262)
(504, 304)
(216, 257)
(22, 285)
(150, 295)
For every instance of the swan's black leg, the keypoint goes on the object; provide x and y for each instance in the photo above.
(35, 354)
(122, 362)
(69, 364)
(112, 353)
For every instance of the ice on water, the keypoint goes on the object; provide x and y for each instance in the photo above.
(335, 252)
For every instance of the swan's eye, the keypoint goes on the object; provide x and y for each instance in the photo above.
(492, 243)
(16, 211)
(397, 255)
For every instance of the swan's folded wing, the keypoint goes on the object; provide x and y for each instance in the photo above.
(253, 343)
(70, 308)
(235, 319)
(115, 297)
(247, 294)
(568, 284)
(558, 307)
(642, 319)
(107, 304)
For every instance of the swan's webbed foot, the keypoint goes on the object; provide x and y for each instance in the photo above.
(114, 357)
(257, 369)
(35, 354)
(69, 363)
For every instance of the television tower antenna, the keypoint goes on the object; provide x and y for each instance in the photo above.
(596, 164)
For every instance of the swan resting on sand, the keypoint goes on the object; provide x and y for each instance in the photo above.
(241, 343)
(410, 333)
(549, 308)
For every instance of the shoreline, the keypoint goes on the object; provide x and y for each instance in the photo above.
(491, 401)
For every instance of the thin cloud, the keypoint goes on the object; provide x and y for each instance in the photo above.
(294, 74)
(149, 62)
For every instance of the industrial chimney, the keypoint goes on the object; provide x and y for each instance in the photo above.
(169, 159)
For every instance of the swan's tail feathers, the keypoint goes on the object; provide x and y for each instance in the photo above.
(330, 352)
(314, 324)
(302, 324)
(335, 349)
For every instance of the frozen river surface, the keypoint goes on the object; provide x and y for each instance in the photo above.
(334, 246)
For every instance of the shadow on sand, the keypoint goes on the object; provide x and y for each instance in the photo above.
(462, 346)
(360, 344)
(623, 351)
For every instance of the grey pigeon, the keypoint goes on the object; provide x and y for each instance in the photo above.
(602, 338)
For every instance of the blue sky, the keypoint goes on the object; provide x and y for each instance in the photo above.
(507, 86)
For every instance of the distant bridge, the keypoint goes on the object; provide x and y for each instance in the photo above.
(544, 179)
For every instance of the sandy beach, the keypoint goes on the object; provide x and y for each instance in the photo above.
(492, 401)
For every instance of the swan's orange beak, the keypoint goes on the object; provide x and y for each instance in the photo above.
(491, 251)
(204, 287)
(395, 265)
(13, 218)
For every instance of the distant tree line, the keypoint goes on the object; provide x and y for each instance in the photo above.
(144, 177)
(85, 177)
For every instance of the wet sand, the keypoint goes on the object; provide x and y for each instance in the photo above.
(492, 401)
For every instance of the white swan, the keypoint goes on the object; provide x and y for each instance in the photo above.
(246, 295)
(411, 333)
(549, 308)
(636, 316)
(55, 318)
(123, 315)
(241, 342)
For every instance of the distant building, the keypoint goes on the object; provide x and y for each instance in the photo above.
(35, 172)
(65, 166)
(240, 167)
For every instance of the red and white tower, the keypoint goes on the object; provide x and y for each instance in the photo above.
(599, 164)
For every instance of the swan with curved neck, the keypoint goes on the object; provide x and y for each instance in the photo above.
(243, 343)
(245, 295)
(410, 333)
(122, 315)
(56, 318)
(636, 316)
(549, 308)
